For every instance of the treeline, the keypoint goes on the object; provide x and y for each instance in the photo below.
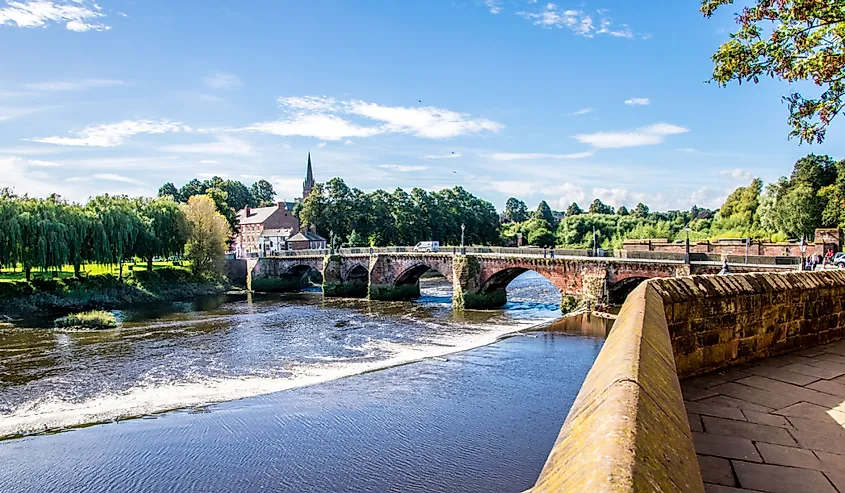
(399, 218)
(47, 234)
(229, 196)
(812, 197)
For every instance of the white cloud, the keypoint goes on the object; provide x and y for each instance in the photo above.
(737, 174)
(577, 21)
(347, 142)
(42, 164)
(77, 15)
(507, 156)
(106, 177)
(582, 111)
(454, 155)
(320, 117)
(226, 145)
(402, 168)
(567, 194)
(638, 102)
(78, 85)
(321, 145)
(687, 149)
(208, 161)
(495, 6)
(650, 135)
(113, 134)
(212, 175)
(286, 188)
(223, 81)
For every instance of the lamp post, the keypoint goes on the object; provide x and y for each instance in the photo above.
(747, 244)
(803, 247)
(463, 248)
(686, 254)
(331, 239)
(518, 240)
(595, 243)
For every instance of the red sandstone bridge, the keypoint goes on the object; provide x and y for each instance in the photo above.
(480, 275)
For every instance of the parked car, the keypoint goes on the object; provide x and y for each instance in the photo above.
(427, 246)
(839, 259)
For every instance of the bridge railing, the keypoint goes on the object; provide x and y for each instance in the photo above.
(522, 251)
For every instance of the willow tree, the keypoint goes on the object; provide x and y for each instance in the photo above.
(794, 41)
(121, 226)
(164, 231)
(10, 230)
(208, 232)
(43, 236)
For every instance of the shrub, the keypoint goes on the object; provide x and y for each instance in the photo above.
(97, 320)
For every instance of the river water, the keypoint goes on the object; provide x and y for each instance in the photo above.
(465, 416)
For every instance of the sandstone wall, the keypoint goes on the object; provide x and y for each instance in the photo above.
(627, 430)
(718, 321)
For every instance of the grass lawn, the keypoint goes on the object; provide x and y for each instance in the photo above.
(8, 274)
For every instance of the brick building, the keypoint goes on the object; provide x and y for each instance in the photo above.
(265, 230)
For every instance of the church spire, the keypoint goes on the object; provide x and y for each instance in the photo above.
(308, 185)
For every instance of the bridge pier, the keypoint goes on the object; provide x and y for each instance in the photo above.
(393, 279)
(345, 279)
(467, 292)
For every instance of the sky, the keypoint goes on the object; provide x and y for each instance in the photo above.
(563, 102)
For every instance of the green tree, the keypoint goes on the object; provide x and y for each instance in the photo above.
(121, 225)
(314, 211)
(599, 207)
(641, 210)
(208, 233)
(193, 187)
(815, 171)
(799, 212)
(164, 230)
(170, 190)
(262, 194)
(541, 237)
(573, 210)
(355, 240)
(790, 40)
(622, 211)
(544, 212)
(516, 210)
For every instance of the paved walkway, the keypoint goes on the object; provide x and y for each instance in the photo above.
(776, 425)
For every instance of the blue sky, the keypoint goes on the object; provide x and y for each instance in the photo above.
(564, 101)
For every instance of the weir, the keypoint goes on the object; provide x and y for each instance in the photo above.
(479, 279)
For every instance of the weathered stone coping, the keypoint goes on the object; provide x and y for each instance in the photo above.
(627, 430)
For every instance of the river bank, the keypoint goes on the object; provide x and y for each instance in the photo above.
(40, 297)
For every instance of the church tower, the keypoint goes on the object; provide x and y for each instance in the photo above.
(308, 184)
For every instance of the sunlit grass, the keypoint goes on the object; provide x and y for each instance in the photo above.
(17, 274)
(96, 320)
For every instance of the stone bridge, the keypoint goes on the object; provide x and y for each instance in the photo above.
(479, 281)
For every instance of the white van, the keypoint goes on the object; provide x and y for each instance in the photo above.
(427, 246)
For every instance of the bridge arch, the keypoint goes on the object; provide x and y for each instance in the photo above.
(618, 291)
(289, 277)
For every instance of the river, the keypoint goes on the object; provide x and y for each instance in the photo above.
(261, 405)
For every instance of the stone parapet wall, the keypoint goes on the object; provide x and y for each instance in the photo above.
(719, 321)
(627, 430)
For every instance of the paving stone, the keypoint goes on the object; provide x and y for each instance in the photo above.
(813, 411)
(694, 422)
(794, 392)
(780, 479)
(835, 348)
(751, 431)
(716, 488)
(730, 374)
(782, 360)
(814, 371)
(830, 365)
(837, 478)
(827, 427)
(694, 393)
(712, 410)
(725, 401)
(716, 470)
(782, 375)
(789, 456)
(724, 446)
(755, 395)
(811, 352)
(832, 462)
(839, 380)
(824, 442)
(766, 419)
(831, 357)
(828, 387)
(704, 381)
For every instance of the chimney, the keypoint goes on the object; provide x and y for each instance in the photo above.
(246, 211)
(313, 229)
(283, 206)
